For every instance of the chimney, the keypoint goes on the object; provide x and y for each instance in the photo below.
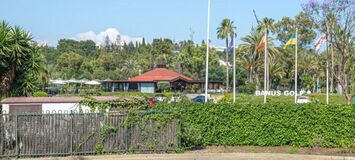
(161, 64)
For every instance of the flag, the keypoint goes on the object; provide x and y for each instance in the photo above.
(231, 46)
(320, 41)
(292, 40)
(261, 44)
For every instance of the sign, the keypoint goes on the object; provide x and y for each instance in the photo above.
(278, 93)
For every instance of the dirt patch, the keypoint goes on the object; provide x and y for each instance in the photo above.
(276, 149)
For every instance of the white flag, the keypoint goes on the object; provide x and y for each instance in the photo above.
(320, 41)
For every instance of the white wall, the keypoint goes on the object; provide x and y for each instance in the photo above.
(5, 108)
(53, 107)
(63, 107)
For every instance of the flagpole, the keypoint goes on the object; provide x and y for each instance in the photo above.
(331, 69)
(265, 65)
(327, 63)
(296, 58)
(332, 65)
(234, 67)
(207, 49)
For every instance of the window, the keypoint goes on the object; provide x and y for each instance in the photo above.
(25, 108)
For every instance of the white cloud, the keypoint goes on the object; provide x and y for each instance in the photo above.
(41, 43)
(99, 38)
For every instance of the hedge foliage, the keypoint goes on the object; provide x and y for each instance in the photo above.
(40, 94)
(310, 125)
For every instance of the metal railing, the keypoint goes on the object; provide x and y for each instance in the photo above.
(39, 134)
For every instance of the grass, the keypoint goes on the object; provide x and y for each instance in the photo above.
(241, 98)
(320, 98)
(276, 149)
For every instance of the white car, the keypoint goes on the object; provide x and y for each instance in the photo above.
(303, 99)
(160, 98)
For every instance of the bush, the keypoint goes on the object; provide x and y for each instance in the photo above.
(163, 86)
(309, 125)
(247, 89)
(40, 94)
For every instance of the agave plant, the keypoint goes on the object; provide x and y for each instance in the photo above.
(21, 63)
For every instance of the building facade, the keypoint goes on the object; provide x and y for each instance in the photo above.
(48, 104)
(148, 82)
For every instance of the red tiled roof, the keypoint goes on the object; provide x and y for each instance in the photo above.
(159, 74)
(53, 99)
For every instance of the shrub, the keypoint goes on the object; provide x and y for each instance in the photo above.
(247, 89)
(163, 86)
(307, 125)
(40, 94)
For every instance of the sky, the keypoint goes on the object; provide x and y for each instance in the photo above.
(51, 20)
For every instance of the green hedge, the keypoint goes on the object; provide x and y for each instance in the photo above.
(308, 125)
(40, 94)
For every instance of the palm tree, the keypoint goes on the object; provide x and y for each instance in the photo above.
(251, 56)
(130, 67)
(224, 31)
(39, 67)
(267, 23)
(277, 71)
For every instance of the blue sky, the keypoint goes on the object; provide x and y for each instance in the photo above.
(50, 20)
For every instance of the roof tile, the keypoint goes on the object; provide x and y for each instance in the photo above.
(12, 100)
(159, 74)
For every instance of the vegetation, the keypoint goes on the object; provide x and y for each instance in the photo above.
(72, 60)
(273, 124)
(163, 85)
(224, 31)
(252, 99)
(23, 66)
(40, 94)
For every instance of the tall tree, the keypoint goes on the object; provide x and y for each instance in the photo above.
(162, 50)
(21, 63)
(250, 56)
(267, 23)
(225, 30)
(336, 19)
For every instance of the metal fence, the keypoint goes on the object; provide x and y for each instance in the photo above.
(23, 135)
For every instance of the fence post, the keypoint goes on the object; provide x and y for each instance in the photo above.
(71, 131)
(126, 136)
(16, 134)
(180, 132)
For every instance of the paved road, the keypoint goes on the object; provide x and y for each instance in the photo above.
(206, 156)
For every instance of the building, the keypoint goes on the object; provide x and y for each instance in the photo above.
(147, 82)
(48, 104)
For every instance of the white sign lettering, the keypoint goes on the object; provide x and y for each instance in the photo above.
(278, 93)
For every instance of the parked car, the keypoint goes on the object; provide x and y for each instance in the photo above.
(303, 99)
(200, 99)
(160, 98)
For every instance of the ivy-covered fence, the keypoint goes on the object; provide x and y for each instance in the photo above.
(90, 133)
(227, 124)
